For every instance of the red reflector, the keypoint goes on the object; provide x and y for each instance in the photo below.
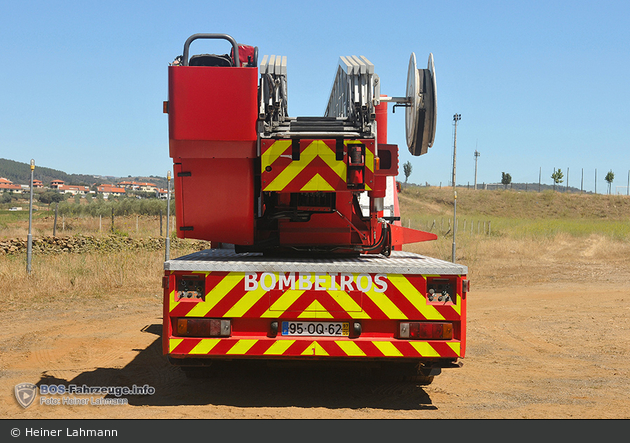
(203, 327)
(429, 331)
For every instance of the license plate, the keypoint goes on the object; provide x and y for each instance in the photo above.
(316, 328)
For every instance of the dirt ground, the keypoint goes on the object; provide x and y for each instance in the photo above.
(546, 340)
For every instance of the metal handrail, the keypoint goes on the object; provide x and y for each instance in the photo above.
(193, 37)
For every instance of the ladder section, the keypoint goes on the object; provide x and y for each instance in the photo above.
(355, 93)
(351, 107)
(273, 91)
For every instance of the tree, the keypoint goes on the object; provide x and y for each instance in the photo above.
(506, 179)
(556, 177)
(7, 197)
(609, 178)
(407, 170)
(49, 197)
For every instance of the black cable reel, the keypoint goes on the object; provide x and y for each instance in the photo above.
(421, 108)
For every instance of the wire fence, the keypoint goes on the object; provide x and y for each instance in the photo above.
(444, 226)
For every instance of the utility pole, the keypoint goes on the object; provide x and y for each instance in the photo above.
(539, 177)
(477, 154)
(29, 238)
(167, 252)
(456, 118)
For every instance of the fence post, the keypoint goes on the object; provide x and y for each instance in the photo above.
(55, 223)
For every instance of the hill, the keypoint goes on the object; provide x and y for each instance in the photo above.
(20, 173)
(433, 201)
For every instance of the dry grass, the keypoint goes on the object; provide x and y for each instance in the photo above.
(500, 260)
(525, 245)
(15, 225)
(547, 237)
(517, 204)
(82, 277)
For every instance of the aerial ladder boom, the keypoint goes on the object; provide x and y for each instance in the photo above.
(249, 175)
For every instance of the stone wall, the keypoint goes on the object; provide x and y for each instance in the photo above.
(83, 244)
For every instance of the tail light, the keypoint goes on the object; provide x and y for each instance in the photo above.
(426, 330)
(203, 327)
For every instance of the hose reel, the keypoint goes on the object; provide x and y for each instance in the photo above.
(421, 108)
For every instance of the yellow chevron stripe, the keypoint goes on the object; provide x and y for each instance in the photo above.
(282, 304)
(415, 297)
(172, 304)
(273, 152)
(330, 158)
(315, 310)
(317, 183)
(293, 169)
(457, 307)
(216, 294)
(245, 303)
(424, 349)
(348, 304)
(456, 347)
(173, 343)
(241, 346)
(205, 346)
(314, 349)
(279, 347)
(388, 307)
(350, 348)
(369, 159)
(388, 349)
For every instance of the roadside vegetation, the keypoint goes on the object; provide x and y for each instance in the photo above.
(545, 236)
(502, 236)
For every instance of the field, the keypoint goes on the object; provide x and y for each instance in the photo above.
(548, 319)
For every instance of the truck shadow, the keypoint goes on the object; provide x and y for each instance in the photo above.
(249, 385)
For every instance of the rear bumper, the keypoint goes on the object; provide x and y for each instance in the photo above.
(309, 348)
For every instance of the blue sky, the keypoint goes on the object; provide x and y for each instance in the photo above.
(539, 84)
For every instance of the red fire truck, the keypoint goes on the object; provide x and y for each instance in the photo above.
(302, 213)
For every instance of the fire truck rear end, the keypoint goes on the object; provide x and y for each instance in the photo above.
(302, 213)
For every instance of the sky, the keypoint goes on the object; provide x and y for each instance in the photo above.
(540, 85)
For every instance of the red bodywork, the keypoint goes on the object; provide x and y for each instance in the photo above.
(241, 181)
(234, 186)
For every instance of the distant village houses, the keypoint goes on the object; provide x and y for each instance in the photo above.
(108, 190)
(138, 186)
(105, 190)
(8, 186)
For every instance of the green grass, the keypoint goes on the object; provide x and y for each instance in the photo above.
(519, 215)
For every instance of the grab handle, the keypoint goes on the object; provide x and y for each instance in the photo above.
(193, 37)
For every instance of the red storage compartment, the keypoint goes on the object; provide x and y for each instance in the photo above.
(214, 200)
(212, 112)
